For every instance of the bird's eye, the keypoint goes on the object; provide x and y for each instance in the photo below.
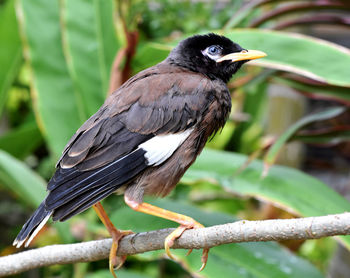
(213, 52)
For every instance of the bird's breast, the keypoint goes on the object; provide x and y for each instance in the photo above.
(160, 180)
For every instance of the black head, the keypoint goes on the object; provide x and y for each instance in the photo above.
(213, 55)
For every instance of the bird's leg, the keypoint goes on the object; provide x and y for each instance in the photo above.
(117, 235)
(185, 222)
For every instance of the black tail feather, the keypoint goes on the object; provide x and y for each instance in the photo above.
(72, 191)
(39, 217)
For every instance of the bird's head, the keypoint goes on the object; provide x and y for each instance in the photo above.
(213, 55)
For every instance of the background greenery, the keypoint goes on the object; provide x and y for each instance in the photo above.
(56, 62)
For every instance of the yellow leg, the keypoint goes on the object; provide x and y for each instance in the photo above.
(114, 261)
(185, 222)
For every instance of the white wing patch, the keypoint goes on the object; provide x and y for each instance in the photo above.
(161, 147)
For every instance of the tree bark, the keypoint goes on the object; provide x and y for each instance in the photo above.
(240, 231)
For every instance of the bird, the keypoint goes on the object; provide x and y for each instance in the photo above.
(143, 139)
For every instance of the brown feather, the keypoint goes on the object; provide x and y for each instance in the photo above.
(165, 99)
(157, 180)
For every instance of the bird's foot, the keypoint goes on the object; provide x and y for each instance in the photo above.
(116, 262)
(185, 222)
(170, 239)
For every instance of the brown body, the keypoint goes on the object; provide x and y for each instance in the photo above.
(153, 102)
(161, 180)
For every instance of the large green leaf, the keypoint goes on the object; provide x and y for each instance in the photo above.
(67, 93)
(233, 260)
(10, 48)
(58, 105)
(304, 55)
(285, 187)
(90, 46)
(20, 180)
(13, 143)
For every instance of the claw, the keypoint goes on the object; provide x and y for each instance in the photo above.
(113, 257)
(170, 239)
(122, 260)
(116, 262)
(204, 258)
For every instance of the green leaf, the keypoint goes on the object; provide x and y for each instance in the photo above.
(337, 93)
(10, 49)
(285, 187)
(121, 273)
(273, 151)
(149, 54)
(57, 104)
(304, 55)
(90, 44)
(13, 143)
(233, 260)
(21, 180)
(253, 259)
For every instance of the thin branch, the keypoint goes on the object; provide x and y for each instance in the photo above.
(240, 231)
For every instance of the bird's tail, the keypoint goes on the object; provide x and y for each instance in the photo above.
(32, 226)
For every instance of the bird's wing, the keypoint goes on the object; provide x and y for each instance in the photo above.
(139, 126)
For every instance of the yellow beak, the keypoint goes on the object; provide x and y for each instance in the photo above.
(242, 56)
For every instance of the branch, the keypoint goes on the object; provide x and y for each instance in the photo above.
(240, 231)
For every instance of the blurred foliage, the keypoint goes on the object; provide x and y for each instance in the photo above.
(57, 59)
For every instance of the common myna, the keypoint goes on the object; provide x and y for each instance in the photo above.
(144, 137)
